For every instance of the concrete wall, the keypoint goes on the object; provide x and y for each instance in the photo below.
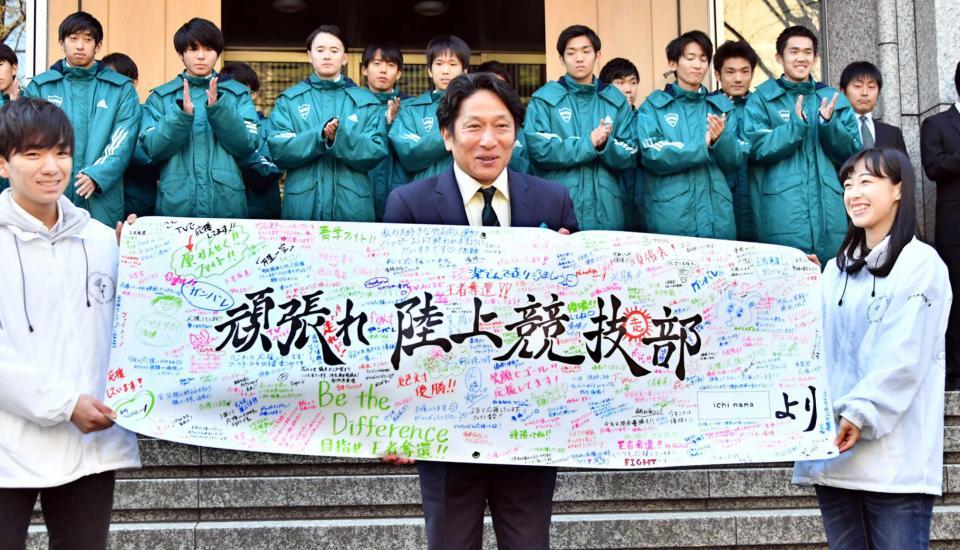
(916, 45)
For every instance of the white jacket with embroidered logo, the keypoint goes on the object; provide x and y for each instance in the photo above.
(883, 347)
(56, 320)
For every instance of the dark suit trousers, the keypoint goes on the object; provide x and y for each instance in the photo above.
(454, 496)
(951, 256)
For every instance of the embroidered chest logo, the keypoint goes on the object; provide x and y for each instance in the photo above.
(102, 104)
(353, 118)
(878, 306)
(565, 114)
(672, 119)
(304, 110)
(785, 115)
(56, 100)
(428, 123)
(101, 288)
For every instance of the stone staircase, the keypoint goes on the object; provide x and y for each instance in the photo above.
(189, 497)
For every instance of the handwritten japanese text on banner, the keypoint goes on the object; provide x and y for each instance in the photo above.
(599, 349)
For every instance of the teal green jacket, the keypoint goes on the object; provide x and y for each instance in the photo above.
(201, 154)
(738, 178)
(262, 178)
(327, 180)
(796, 196)
(557, 129)
(140, 184)
(389, 174)
(105, 112)
(686, 189)
(415, 136)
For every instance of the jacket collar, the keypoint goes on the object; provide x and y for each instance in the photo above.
(449, 201)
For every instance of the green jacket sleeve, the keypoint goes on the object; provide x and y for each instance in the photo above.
(547, 149)
(839, 136)
(235, 124)
(32, 90)
(288, 148)
(770, 145)
(415, 151)
(107, 171)
(361, 145)
(619, 153)
(659, 154)
(730, 151)
(163, 135)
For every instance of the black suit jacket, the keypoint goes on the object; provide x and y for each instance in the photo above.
(436, 200)
(889, 135)
(940, 153)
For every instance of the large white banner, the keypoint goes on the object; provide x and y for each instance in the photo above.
(488, 345)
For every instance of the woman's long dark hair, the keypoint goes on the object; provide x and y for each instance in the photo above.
(882, 162)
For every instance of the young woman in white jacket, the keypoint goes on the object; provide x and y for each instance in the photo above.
(58, 281)
(886, 299)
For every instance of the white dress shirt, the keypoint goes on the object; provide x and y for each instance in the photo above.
(473, 201)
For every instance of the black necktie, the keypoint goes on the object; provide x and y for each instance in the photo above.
(865, 134)
(488, 216)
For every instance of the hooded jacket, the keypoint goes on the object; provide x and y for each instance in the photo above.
(389, 174)
(105, 112)
(738, 177)
(415, 136)
(327, 180)
(200, 153)
(883, 345)
(686, 190)
(262, 178)
(56, 321)
(557, 129)
(796, 197)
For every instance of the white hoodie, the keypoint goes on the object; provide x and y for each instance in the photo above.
(57, 292)
(884, 353)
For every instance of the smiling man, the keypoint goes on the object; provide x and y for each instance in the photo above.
(800, 132)
(479, 118)
(59, 439)
(104, 109)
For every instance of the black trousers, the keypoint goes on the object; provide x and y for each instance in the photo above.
(77, 514)
(454, 496)
(951, 257)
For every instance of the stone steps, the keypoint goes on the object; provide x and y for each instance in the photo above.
(699, 529)
(196, 498)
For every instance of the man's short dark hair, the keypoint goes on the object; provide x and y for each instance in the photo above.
(389, 52)
(198, 32)
(29, 123)
(676, 46)
(78, 22)
(573, 31)
(796, 30)
(956, 78)
(242, 73)
(466, 85)
(7, 54)
(860, 70)
(732, 50)
(449, 43)
(328, 29)
(496, 68)
(121, 63)
(618, 67)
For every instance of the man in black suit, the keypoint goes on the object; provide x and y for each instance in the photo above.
(479, 117)
(940, 153)
(861, 82)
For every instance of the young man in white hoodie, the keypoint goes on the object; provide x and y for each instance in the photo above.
(57, 439)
